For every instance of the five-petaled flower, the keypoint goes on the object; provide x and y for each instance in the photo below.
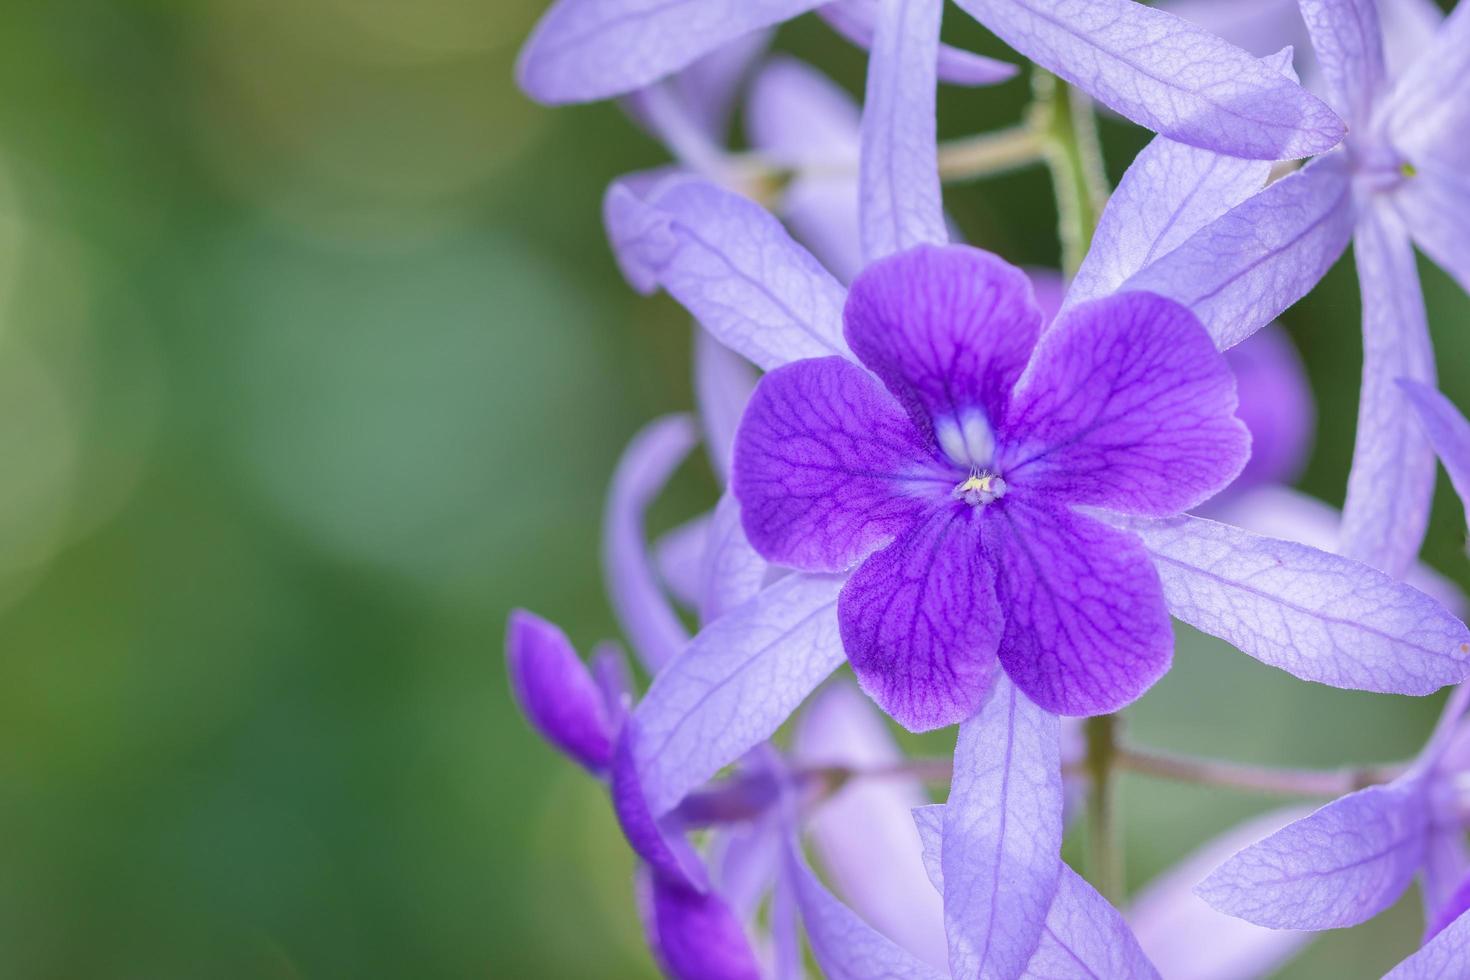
(959, 494)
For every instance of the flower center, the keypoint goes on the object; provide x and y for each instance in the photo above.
(980, 489)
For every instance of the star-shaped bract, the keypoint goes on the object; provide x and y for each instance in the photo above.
(954, 490)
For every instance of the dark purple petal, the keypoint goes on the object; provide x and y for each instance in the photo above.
(827, 467)
(1126, 405)
(1086, 627)
(1340, 866)
(583, 50)
(665, 850)
(1275, 405)
(695, 935)
(557, 694)
(948, 330)
(920, 622)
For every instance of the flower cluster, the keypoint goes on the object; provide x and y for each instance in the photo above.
(988, 490)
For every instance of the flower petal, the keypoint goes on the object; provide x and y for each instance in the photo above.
(1446, 872)
(723, 382)
(1429, 108)
(1448, 432)
(900, 203)
(1166, 74)
(678, 555)
(654, 840)
(1435, 205)
(1275, 405)
(948, 330)
(857, 20)
(1086, 628)
(696, 936)
(583, 50)
(730, 263)
(1085, 937)
(1349, 47)
(559, 697)
(843, 945)
(1127, 405)
(1187, 939)
(1242, 269)
(735, 684)
(920, 621)
(1391, 483)
(1340, 866)
(929, 822)
(827, 468)
(733, 572)
(642, 608)
(1318, 616)
(1001, 852)
(864, 834)
(1440, 958)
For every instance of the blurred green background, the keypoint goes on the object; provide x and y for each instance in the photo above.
(313, 362)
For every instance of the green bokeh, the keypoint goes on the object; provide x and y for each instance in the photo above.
(313, 362)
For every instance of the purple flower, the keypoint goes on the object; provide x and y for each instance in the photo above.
(1449, 433)
(953, 491)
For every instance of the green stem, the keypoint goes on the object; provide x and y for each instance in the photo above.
(1068, 126)
(988, 154)
(1104, 841)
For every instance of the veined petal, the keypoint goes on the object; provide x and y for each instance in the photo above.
(696, 936)
(1435, 206)
(731, 264)
(900, 204)
(1426, 115)
(733, 572)
(844, 946)
(1187, 939)
(1349, 47)
(735, 684)
(554, 689)
(827, 468)
(1086, 628)
(929, 822)
(1085, 937)
(1242, 269)
(1391, 482)
(864, 834)
(1166, 74)
(1446, 872)
(857, 20)
(1440, 957)
(583, 50)
(723, 382)
(1448, 432)
(1127, 405)
(1168, 193)
(663, 847)
(642, 608)
(1002, 840)
(1318, 616)
(678, 555)
(948, 330)
(920, 621)
(1340, 866)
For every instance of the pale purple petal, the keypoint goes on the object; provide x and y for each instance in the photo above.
(900, 204)
(1448, 432)
(1457, 905)
(1187, 939)
(1275, 405)
(723, 382)
(1409, 28)
(644, 612)
(1435, 206)
(864, 834)
(1168, 193)
(1259, 26)
(857, 21)
(710, 87)
(1002, 835)
(827, 468)
(800, 117)
(843, 945)
(583, 50)
(557, 694)
(1340, 866)
(1442, 958)
(735, 684)
(1127, 405)
(1166, 74)
(731, 264)
(1085, 937)
(1349, 47)
(788, 957)
(655, 841)
(1446, 866)
(1242, 269)
(929, 822)
(696, 935)
(614, 680)
(1391, 482)
(949, 331)
(1429, 108)
(1316, 615)
(662, 112)
(679, 557)
(733, 572)
(743, 859)
(1086, 627)
(921, 624)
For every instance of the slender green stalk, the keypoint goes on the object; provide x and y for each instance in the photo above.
(988, 154)
(1065, 119)
(1104, 837)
